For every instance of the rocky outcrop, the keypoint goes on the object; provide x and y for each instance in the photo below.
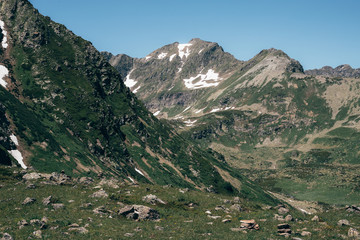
(340, 71)
(139, 212)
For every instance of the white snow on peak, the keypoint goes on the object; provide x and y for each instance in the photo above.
(138, 171)
(172, 57)
(210, 79)
(14, 139)
(184, 50)
(162, 55)
(18, 156)
(4, 32)
(128, 81)
(3, 73)
(156, 113)
(147, 57)
(136, 89)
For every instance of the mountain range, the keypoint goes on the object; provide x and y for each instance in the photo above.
(288, 129)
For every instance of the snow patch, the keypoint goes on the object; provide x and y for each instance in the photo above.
(14, 139)
(180, 69)
(190, 123)
(210, 79)
(215, 110)
(156, 113)
(201, 51)
(4, 32)
(138, 171)
(137, 89)
(3, 73)
(162, 55)
(304, 211)
(184, 50)
(147, 57)
(172, 57)
(18, 156)
(128, 81)
(200, 110)
(132, 180)
(186, 108)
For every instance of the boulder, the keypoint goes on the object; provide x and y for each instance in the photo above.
(101, 210)
(60, 178)
(86, 180)
(28, 200)
(47, 201)
(283, 210)
(284, 229)
(78, 229)
(57, 206)
(353, 233)
(37, 234)
(315, 218)
(99, 194)
(139, 212)
(249, 224)
(289, 218)
(153, 199)
(343, 222)
(6, 236)
(235, 208)
(305, 233)
(112, 182)
(31, 176)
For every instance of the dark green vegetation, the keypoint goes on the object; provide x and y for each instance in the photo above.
(71, 111)
(182, 217)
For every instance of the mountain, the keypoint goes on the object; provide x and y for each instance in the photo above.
(340, 71)
(64, 107)
(288, 131)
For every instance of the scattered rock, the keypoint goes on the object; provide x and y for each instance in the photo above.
(289, 218)
(86, 205)
(37, 234)
(343, 222)
(249, 224)
(101, 210)
(139, 212)
(57, 205)
(28, 200)
(99, 194)
(48, 200)
(86, 180)
(31, 186)
(6, 236)
(35, 222)
(283, 210)
(152, 199)
(22, 223)
(31, 176)
(236, 200)
(235, 208)
(214, 217)
(279, 218)
(315, 218)
(220, 208)
(159, 228)
(353, 208)
(353, 233)
(207, 212)
(129, 234)
(137, 229)
(305, 233)
(226, 220)
(284, 229)
(113, 183)
(80, 230)
(60, 178)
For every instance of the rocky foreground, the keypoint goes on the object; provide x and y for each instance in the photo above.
(47, 206)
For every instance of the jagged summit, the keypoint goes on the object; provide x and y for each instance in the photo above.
(344, 70)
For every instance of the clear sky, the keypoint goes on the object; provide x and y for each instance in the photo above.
(315, 32)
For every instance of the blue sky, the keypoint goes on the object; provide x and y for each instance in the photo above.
(315, 32)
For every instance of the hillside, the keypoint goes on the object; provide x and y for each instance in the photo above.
(64, 107)
(291, 132)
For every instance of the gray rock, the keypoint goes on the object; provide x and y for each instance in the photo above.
(60, 178)
(235, 208)
(99, 194)
(129, 234)
(101, 210)
(28, 201)
(86, 180)
(315, 218)
(57, 206)
(305, 233)
(6, 236)
(343, 222)
(159, 228)
(47, 201)
(153, 199)
(284, 229)
(353, 233)
(289, 218)
(80, 230)
(37, 234)
(139, 212)
(283, 210)
(31, 176)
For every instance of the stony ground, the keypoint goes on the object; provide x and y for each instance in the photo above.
(55, 206)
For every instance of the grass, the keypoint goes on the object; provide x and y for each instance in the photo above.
(174, 215)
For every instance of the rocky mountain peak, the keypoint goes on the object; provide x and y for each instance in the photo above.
(344, 70)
